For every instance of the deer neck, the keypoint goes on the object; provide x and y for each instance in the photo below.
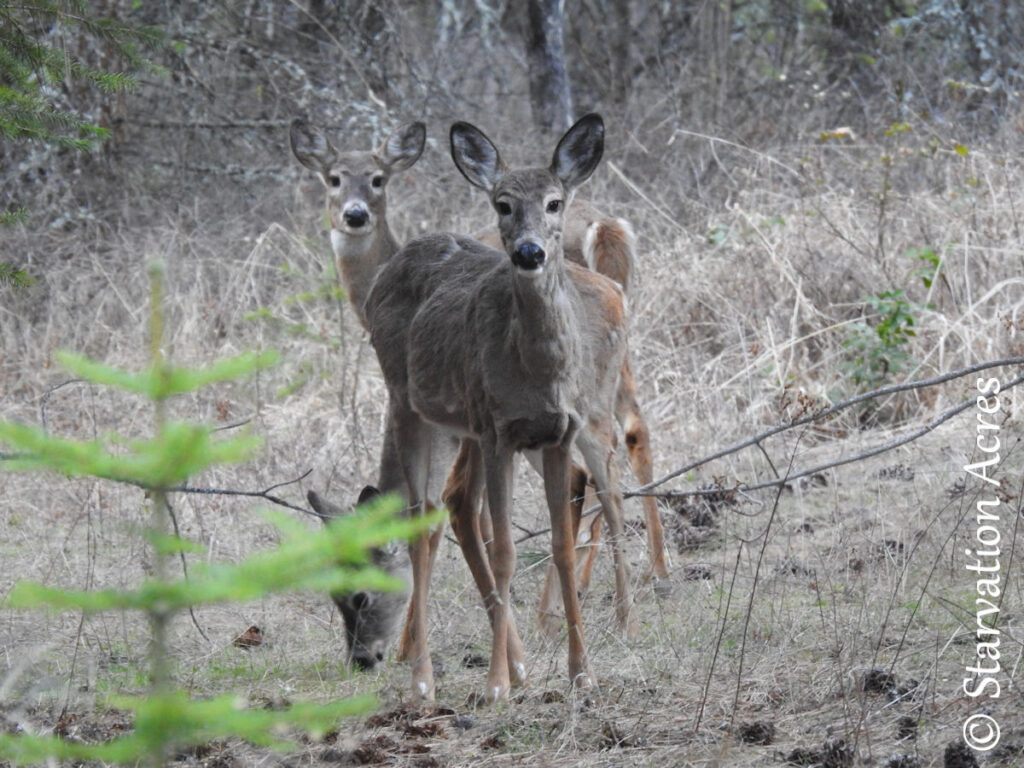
(359, 257)
(544, 329)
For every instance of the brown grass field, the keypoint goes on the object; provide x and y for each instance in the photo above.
(830, 621)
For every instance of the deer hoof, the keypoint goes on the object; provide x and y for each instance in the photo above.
(422, 692)
(496, 694)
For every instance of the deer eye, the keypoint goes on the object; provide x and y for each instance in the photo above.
(335, 180)
(554, 206)
(377, 181)
(503, 208)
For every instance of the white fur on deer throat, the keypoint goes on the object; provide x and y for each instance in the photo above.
(530, 274)
(351, 245)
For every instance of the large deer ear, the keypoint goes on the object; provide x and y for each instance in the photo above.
(579, 151)
(403, 147)
(310, 146)
(325, 509)
(369, 493)
(475, 156)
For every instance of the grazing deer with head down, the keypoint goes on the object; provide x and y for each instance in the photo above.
(509, 353)
(371, 618)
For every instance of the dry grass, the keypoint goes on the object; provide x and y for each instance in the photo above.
(748, 291)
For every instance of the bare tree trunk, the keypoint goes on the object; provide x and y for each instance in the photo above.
(621, 32)
(545, 56)
(714, 30)
(312, 20)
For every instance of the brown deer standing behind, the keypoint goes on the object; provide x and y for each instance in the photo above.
(356, 183)
(509, 353)
(357, 202)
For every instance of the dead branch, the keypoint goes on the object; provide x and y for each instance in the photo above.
(644, 490)
(264, 494)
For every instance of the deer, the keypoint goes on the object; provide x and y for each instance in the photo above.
(506, 351)
(605, 245)
(370, 617)
(356, 186)
(355, 183)
(361, 238)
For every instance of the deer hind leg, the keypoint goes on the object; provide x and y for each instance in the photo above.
(412, 439)
(597, 444)
(462, 497)
(549, 615)
(585, 567)
(638, 446)
(563, 552)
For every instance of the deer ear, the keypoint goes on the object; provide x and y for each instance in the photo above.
(310, 146)
(475, 156)
(579, 151)
(325, 509)
(403, 147)
(369, 493)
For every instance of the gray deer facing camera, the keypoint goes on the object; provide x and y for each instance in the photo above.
(509, 353)
(371, 619)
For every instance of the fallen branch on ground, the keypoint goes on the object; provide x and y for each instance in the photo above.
(644, 490)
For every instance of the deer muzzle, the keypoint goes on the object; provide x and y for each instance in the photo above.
(528, 256)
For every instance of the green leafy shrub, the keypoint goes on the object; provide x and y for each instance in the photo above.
(878, 348)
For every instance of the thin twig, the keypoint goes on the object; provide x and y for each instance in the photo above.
(884, 391)
(184, 567)
(46, 400)
(264, 494)
(753, 587)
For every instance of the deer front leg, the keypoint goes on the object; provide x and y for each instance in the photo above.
(563, 551)
(391, 479)
(412, 438)
(462, 497)
(638, 446)
(497, 461)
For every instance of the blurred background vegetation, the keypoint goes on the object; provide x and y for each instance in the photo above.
(205, 119)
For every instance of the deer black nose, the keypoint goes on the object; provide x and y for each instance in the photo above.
(365, 662)
(356, 217)
(528, 255)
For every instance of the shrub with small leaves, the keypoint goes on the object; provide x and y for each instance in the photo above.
(877, 347)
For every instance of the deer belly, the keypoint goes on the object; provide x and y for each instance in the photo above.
(441, 406)
(537, 431)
